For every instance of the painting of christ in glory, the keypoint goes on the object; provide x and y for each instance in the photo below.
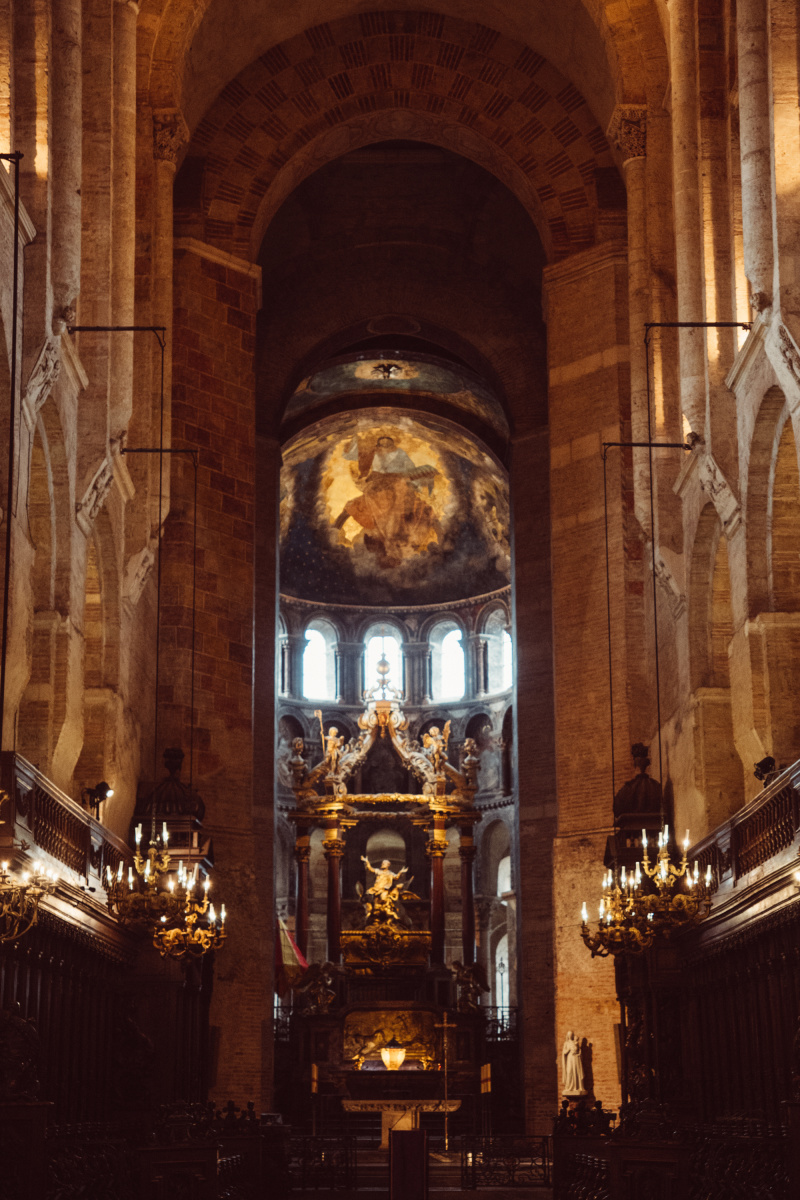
(394, 509)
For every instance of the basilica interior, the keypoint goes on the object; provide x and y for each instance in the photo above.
(400, 551)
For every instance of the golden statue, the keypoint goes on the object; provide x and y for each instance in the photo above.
(382, 898)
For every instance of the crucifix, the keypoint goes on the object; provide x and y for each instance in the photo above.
(445, 1026)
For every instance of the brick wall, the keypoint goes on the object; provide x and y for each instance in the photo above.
(213, 411)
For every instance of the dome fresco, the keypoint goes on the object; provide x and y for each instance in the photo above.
(383, 507)
(397, 374)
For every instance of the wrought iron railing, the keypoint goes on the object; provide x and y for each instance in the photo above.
(323, 1164)
(743, 1160)
(500, 1023)
(505, 1161)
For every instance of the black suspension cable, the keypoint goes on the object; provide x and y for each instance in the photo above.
(12, 432)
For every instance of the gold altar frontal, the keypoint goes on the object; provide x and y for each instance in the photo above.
(400, 1114)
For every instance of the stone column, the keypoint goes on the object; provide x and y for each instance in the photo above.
(476, 665)
(295, 645)
(784, 45)
(170, 135)
(334, 851)
(417, 659)
(467, 854)
(67, 85)
(302, 852)
(123, 212)
(686, 192)
(754, 141)
(349, 671)
(436, 850)
(628, 129)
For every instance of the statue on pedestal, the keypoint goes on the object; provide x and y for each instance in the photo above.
(572, 1081)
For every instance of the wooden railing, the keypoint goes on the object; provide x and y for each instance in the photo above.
(762, 830)
(37, 815)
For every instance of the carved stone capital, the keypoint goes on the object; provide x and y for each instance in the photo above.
(714, 483)
(467, 853)
(302, 853)
(333, 848)
(86, 509)
(170, 134)
(627, 130)
(46, 371)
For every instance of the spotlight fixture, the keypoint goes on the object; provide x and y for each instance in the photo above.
(93, 797)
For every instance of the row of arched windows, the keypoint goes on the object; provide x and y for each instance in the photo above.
(447, 658)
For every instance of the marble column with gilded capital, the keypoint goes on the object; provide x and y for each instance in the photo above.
(477, 664)
(302, 853)
(466, 853)
(436, 848)
(333, 847)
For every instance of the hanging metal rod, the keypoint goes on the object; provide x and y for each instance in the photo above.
(158, 330)
(650, 445)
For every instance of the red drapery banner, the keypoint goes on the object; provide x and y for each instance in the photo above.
(290, 965)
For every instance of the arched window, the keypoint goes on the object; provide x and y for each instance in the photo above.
(499, 657)
(319, 665)
(502, 979)
(382, 641)
(448, 676)
(504, 875)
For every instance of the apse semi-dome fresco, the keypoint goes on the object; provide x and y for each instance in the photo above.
(424, 375)
(383, 507)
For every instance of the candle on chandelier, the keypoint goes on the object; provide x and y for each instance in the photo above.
(708, 875)
(164, 833)
(686, 842)
(212, 916)
(222, 914)
(130, 878)
(119, 873)
(644, 839)
(207, 884)
(138, 834)
(584, 913)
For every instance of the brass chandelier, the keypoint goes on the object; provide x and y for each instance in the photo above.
(630, 919)
(19, 899)
(172, 901)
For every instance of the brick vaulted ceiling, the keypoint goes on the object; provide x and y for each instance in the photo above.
(374, 76)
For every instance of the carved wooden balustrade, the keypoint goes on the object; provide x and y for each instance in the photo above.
(39, 815)
(761, 835)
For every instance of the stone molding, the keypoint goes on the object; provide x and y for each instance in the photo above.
(214, 254)
(790, 356)
(46, 371)
(89, 506)
(747, 356)
(627, 130)
(170, 135)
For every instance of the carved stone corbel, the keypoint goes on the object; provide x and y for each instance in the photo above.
(170, 134)
(789, 352)
(137, 570)
(627, 130)
(86, 510)
(722, 496)
(46, 371)
(677, 600)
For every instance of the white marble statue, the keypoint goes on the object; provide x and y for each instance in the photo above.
(572, 1067)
